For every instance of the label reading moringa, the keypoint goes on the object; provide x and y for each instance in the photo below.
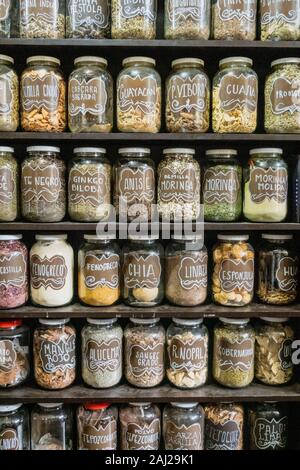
(285, 96)
(187, 355)
(40, 182)
(8, 355)
(187, 94)
(103, 356)
(183, 437)
(40, 92)
(283, 11)
(142, 271)
(287, 273)
(268, 184)
(238, 91)
(58, 355)
(48, 272)
(192, 271)
(221, 186)
(146, 361)
(236, 274)
(89, 185)
(134, 8)
(101, 270)
(99, 436)
(285, 354)
(38, 10)
(235, 355)
(6, 96)
(222, 435)
(7, 185)
(87, 96)
(137, 94)
(13, 268)
(240, 10)
(89, 13)
(136, 185)
(9, 439)
(5, 6)
(143, 437)
(179, 185)
(193, 10)
(270, 433)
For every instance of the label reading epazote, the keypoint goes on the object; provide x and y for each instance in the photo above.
(287, 273)
(178, 185)
(40, 182)
(221, 186)
(183, 437)
(5, 6)
(103, 356)
(137, 94)
(7, 185)
(58, 355)
(270, 433)
(87, 97)
(268, 184)
(187, 94)
(8, 355)
(285, 96)
(101, 270)
(88, 13)
(40, 92)
(192, 10)
(283, 11)
(236, 355)
(236, 274)
(143, 437)
(88, 185)
(6, 96)
(222, 435)
(192, 271)
(99, 436)
(142, 271)
(13, 268)
(9, 439)
(48, 272)
(133, 8)
(239, 10)
(136, 185)
(38, 10)
(187, 355)
(146, 362)
(238, 91)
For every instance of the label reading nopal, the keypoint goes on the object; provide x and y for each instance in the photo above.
(137, 94)
(285, 96)
(40, 92)
(101, 271)
(240, 10)
(104, 356)
(89, 13)
(287, 273)
(58, 355)
(48, 272)
(237, 274)
(188, 94)
(283, 11)
(238, 91)
(268, 184)
(87, 97)
(6, 96)
(142, 271)
(38, 10)
(193, 10)
(133, 8)
(192, 271)
(13, 268)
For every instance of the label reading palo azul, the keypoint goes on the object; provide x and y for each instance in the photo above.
(40, 92)
(145, 437)
(134, 8)
(222, 436)
(104, 356)
(285, 354)
(13, 269)
(99, 436)
(142, 271)
(178, 185)
(268, 184)
(136, 94)
(283, 11)
(285, 96)
(271, 433)
(58, 355)
(238, 91)
(193, 271)
(136, 185)
(88, 186)
(89, 13)
(146, 362)
(9, 439)
(187, 356)
(183, 437)
(48, 272)
(187, 94)
(221, 186)
(287, 273)
(240, 10)
(236, 274)
(7, 185)
(193, 10)
(38, 10)
(6, 97)
(40, 182)
(5, 6)
(235, 355)
(8, 355)
(87, 96)
(101, 271)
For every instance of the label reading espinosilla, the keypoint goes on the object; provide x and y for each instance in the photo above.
(133, 8)
(220, 186)
(40, 92)
(89, 185)
(38, 10)
(144, 437)
(103, 356)
(238, 91)
(101, 270)
(284, 11)
(236, 274)
(193, 10)
(87, 97)
(235, 355)
(13, 268)
(89, 13)
(187, 355)
(137, 94)
(58, 355)
(192, 272)
(187, 94)
(268, 184)
(240, 10)
(142, 271)
(48, 272)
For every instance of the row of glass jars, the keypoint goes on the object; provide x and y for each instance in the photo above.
(146, 353)
(43, 103)
(141, 426)
(96, 19)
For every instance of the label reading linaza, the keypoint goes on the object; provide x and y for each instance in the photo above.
(192, 271)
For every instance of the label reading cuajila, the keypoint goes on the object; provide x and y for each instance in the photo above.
(99, 436)
(136, 185)
(187, 94)
(236, 274)
(235, 355)
(58, 355)
(238, 91)
(89, 13)
(221, 186)
(7, 185)
(142, 271)
(183, 437)
(87, 97)
(40, 92)
(222, 435)
(178, 185)
(187, 355)
(8, 355)
(38, 10)
(268, 184)
(137, 94)
(146, 362)
(13, 269)
(134, 8)
(239, 10)
(9, 439)
(103, 356)
(285, 354)
(101, 270)
(143, 437)
(283, 11)
(5, 6)
(48, 272)
(192, 271)
(285, 96)
(40, 182)
(6, 96)
(287, 273)
(193, 10)
(88, 185)
(270, 433)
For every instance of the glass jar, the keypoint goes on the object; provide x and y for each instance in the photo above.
(233, 354)
(277, 270)
(183, 426)
(279, 20)
(40, 19)
(273, 351)
(295, 186)
(282, 91)
(51, 427)
(89, 185)
(268, 423)
(222, 186)
(52, 271)
(235, 95)
(9, 94)
(139, 96)
(266, 186)
(144, 352)
(101, 349)
(14, 427)
(187, 20)
(233, 276)
(140, 426)
(134, 184)
(43, 96)
(8, 17)
(87, 19)
(133, 19)
(187, 353)
(178, 188)
(9, 185)
(187, 97)
(14, 353)
(224, 426)
(13, 272)
(143, 271)
(54, 354)
(90, 104)
(97, 425)
(234, 20)
(99, 277)
(186, 271)
(43, 185)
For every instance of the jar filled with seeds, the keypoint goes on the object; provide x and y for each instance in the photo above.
(51, 427)
(266, 186)
(235, 95)
(233, 276)
(139, 96)
(277, 270)
(90, 104)
(187, 20)
(222, 186)
(140, 426)
(42, 19)
(273, 351)
(101, 349)
(14, 427)
(43, 96)
(9, 94)
(186, 271)
(134, 184)
(9, 185)
(133, 19)
(187, 97)
(43, 185)
(144, 352)
(233, 352)
(268, 426)
(87, 19)
(234, 20)
(97, 426)
(224, 426)
(178, 188)
(143, 271)
(282, 91)
(8, 18)
(187, 353)
(183, 426)
(89, 185)
(279, 20)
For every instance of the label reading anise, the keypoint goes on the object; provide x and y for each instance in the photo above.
(270, 433)
(144, 437)
(222, 435)
(58, 355)
(5, 6)
(141, 271)
(6, 97)
(178, 185)
(235, 355)
(13, 268)
(101, 270)
(89, 185)
(287, 273)
(38, 10)
(9, 439)
(220, 186)
(238, 91)
(187, 355)
(285, 96)
(89, 13)
(99, 436)
(40, 182)
(146, 361)
(87, 96)
(192, 271)
(236, 274)
(48, 272)
(183, 437)
(240, 10)
(193, 10)
(268, 184)
(285, 354)
(136, 185)
(104, 356)
(8, 355)
(134, 8)
(283, 11)
(7, 185)
(186, 94)
(137, 94)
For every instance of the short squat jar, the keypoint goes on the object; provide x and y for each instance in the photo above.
(90, 104)
(87, 19)
(279, 20)
(9, 95)
(190, 20)
(14, 427)
(97, 425)
(140, 426)
(133, 20)
(234, 21)
(42, 19)
(51, 427)
(183, 426)
(9, 188)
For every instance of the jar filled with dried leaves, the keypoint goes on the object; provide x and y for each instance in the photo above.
(233, 276)
(14, 353)
(54, 353)
(187, 353)
(90, 104)
(87, 19)
(233, 352)
(273, 351)
(268, 426)
(51, 427)
(144, 352)
(224, 426)
(14, 427)
(234, 20)
(139, 96)
(183, 426)
(42, 19)
(235, 96)
(187, 20)
(187, 97)
(97, 425)
(279, 20)
(9, 185)
(278, 270)
(133, 19)
(9, 94)
(140, 426)
(43, 96)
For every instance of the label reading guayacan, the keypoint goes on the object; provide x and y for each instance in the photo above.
(8, 355)
(283, 11)
(192, 271)
(221, 186)
(222, 435)
(193, 10)
(40, 92)
(287, 273)
(89, 13)
(48, 272)
(143, 437)
(40, 182)
(235, 355)
(270, 433)
(183, 437)
(9, 439)
(285, 354)
(187, 355)
(38, 10)
(87, 96)
(5, 6)
(89, 185)
(136, 94)
(6, 96)
(13, 268)
(146, 362)
(141, 271)
(58, 355)
(236, 274)
(238, 91)
(99, 436)
(7, 185)
(136, 185)
(134, 8)
(178, 185)
(187, 94)
(268, 184)
(285, 96)
(103, 356)
(240, 10)
(101, 270)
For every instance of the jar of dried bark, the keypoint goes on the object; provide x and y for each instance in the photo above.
(224, 426)
(97, 425)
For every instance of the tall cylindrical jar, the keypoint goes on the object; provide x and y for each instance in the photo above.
(51, 427)
(187, 97)
(183, 426)
(234, 20)
(133, 19)
(42, 19)
(139, 96)
(9, 94)
(87, 19)
(279, 20)
(268, 426)
(9, 185)
(8, 18)
(140, 426)
(224, 426)
(14, 427)
(97, 426)
(187, 20)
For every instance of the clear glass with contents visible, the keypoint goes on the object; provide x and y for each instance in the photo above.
(140, 427)
(133, 19)
(14, 353)
(42, 19)
(9, 190)
(183, 426)
(9, 96)
(9, 18)
(187, 20)
(14, 427)
(279, 20)
(87, 19)
(97, 426)
(267, 420)
(51, 427)
(234, 20)
(224, 426)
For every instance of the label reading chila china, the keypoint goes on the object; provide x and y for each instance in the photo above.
(146, 362)
(9, 439)
(134, 8)
(38, 10)
(101, 271)
(187, 94)
(240, 10)
(8, 355)
(48, 272)
(137, 94)
(235, 355)
(7, 185)
(238, 91)
(40, 92)
(58, 355)
(142, 271)
(13, 269)
(136, 185)
(87, 96)
(178, 185)
(6, 97)
(41, 182)
(5, 6)
(268, 184)
(220, 186)
(183, 437)
(270, 433)
(144, 436)
(285, 11)
(192, 271)
(285, 96)
(89, 13)
(103, 356)
(193, 10)
(187, 355)
(89, 185)
(287, 273)
(222, 435)
(236, 274)
(99, 436)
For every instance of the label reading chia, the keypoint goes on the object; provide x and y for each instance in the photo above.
(270, 433)
(38, 10)
(103, 356)
(240, 10)
(187, 356)
(136, 185)
(287, 273)
(89, 185)
(238, 91)
(187, 94)
(48, 272)
(221, 186)
(183, 437)
(40, 92)
(236, 274)
(99, 436)
(193, 10)
(146, 362)
(136, 94)
(8, 356)
(9, 439)
(285, 354)
(144, 437)
(222, 436)
(88, 13)
(58, 355)
(285, 96)
(13, 268)
(87, 96)
(235, 355)
(192, 271)
(134, 8)
(285, 11)
(141, 271)
(7, 185)
(178, 185)
(268, 184)
(5, 6)
(6, 97)
(40, 182)
(101, 271)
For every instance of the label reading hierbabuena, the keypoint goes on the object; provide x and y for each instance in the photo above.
(89, 13)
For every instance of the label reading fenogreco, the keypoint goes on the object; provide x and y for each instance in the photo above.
(103, 357)
(141, 271)
(13, 269)
(236, 274)
(268, 184)
(285, 96)
(9, 439)
(8, 355)
(6, 97)
(144, 437)
(99, 436)
(235, 355)
(38, 10)
(136, 94)
(58, 355)
(193, 10)
(40, 182)
(89, 13)
(89, 185)
(270, 433)
(238, 91)
(240, 10)
(40, 92)
(146, 362)
(187, 355)
(87, 96)
(221, 186)
(5, 6)
(285, 354)
(179, 185)
(7, 185)
(222, 435)
(192, 271)
(133, 8)
(287, 273)
(183, 437)
(187, 94)
(101, 271)
(48, 272)
(136, 185)
(283, 11)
